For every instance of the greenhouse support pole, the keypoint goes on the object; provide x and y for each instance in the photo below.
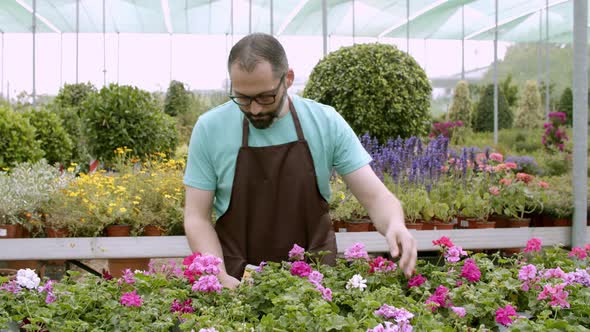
(250, 17)
(272, 18)
(231, 23)
(408, 26)
(2, 68)
(580, 80)
(539, 49)
(462, 42)
(61, 59)
(170, 58)
(77, 36)
(118, 54)
(34, 51)
(353, 23)
(496, 77)
(104, 44)
(547, 78)
(325, 25)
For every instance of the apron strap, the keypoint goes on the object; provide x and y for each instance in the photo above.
(246, 127)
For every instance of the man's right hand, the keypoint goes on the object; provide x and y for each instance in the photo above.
(228, 281)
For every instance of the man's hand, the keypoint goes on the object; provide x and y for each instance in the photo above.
(398, 237)
(228, 281)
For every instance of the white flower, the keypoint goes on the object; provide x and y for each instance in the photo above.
(27, 278)
(357, 281)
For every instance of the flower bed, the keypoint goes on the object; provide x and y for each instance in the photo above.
(542, 288)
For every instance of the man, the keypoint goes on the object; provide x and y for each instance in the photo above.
(263, 161)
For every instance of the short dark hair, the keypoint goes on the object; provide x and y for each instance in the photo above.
(256, 48)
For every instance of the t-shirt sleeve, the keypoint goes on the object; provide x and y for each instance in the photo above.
(199, 172)
(349, 153)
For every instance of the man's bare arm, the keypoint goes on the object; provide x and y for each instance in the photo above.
(199, 230)
(386, 212)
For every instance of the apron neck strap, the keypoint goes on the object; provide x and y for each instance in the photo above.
(246, 126)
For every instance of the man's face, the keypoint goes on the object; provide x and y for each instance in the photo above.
(259, 95)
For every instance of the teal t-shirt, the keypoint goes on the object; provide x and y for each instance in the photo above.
(217, 137)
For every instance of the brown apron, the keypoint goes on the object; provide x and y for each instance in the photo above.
(275, 203)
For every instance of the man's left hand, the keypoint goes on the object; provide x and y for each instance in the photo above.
(401, 240)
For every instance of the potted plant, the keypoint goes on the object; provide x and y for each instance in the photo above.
(518, 198)
(476, 209)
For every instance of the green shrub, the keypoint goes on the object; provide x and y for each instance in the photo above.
(461, 107)
(74, 95)
(483, 119)
(377, 88)
(566, 105)
(125, 116)
(178, 99)
(50, 133)
(17, 139)
(72, 124)
(530, 113)
(556, 164)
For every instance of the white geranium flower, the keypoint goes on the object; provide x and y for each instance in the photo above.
(357, 281)
(27, 278)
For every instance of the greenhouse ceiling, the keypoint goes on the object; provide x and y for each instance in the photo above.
(518, 20)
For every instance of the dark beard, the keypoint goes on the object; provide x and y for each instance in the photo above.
(266, 119)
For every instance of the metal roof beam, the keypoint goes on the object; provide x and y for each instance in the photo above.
(510, 19)
(413, 17)
(291, 16)
(166, 13)
(40, 17)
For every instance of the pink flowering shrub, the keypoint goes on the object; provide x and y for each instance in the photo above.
(555, 136)
(445, 129)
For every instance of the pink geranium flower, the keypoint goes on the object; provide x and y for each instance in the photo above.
(460, 311)
(297, 253)
(181, 308)
(534, 244)
(496, 157)
(494, 190)
(416, 281)
(504, 315)
(207, 284)
(557, 294)
(205, 264)
(131, 299)
(470, 271)
(527, 272)
(443, 242)
(300, 268)
(326, 292)
(357, 251)
(454, 254)
(578, 252)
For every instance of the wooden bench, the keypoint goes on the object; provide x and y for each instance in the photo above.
(177, 246)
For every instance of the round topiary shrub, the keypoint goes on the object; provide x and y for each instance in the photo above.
(377, 88)
(17, 139)
(74, 95)
(51, 135)
(483, 119)
(125, 116)
(178, 99)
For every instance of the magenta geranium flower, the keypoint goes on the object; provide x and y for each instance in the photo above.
(300, 268)
(440, 298)
(128, 276)
(470, 271)
(297, 253)
(315, 277)
(416, 281)
(357, 251)
(504, 315)
(131, 299)
(527, 272)
(381, 264)
(533, 244)
(184, 307)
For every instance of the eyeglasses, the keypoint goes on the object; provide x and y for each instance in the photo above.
(268, 98)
